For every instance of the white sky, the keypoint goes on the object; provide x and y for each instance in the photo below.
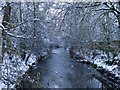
(59, 0)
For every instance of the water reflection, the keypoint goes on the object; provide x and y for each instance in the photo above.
(60, 71)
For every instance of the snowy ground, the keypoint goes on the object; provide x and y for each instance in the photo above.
(100, 60)
(14, 69)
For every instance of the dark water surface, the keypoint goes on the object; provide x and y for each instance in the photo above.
(60, 71)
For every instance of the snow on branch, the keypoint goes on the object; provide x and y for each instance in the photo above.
(12, 35)
(36, 19)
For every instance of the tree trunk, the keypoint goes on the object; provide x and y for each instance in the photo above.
(34, 33)
(6, 19)
(119, 25)
(0, 52)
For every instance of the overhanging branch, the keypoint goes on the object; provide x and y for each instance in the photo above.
(12, 35)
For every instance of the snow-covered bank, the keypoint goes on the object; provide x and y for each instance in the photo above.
(100, 62)
(2, 85)
(13, 69)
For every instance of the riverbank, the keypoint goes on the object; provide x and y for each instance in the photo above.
(111, 69)
(14, 69)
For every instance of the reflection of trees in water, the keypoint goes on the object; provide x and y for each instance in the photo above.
(29, 82)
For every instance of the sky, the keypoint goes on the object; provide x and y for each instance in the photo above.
(59, 0)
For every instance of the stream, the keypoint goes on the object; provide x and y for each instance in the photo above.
(61, 71)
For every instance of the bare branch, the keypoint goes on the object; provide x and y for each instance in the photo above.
(12, 35)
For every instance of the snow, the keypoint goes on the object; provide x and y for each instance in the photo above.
(100, 60)
(32, 59)
(2, 85)
(118, 56)
(44, 53)
(13, 35)
(77, 53)
(36, 19)
(14, 69)
(16, 36)
(112, 68)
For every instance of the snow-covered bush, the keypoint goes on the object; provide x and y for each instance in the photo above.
(13, 69)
